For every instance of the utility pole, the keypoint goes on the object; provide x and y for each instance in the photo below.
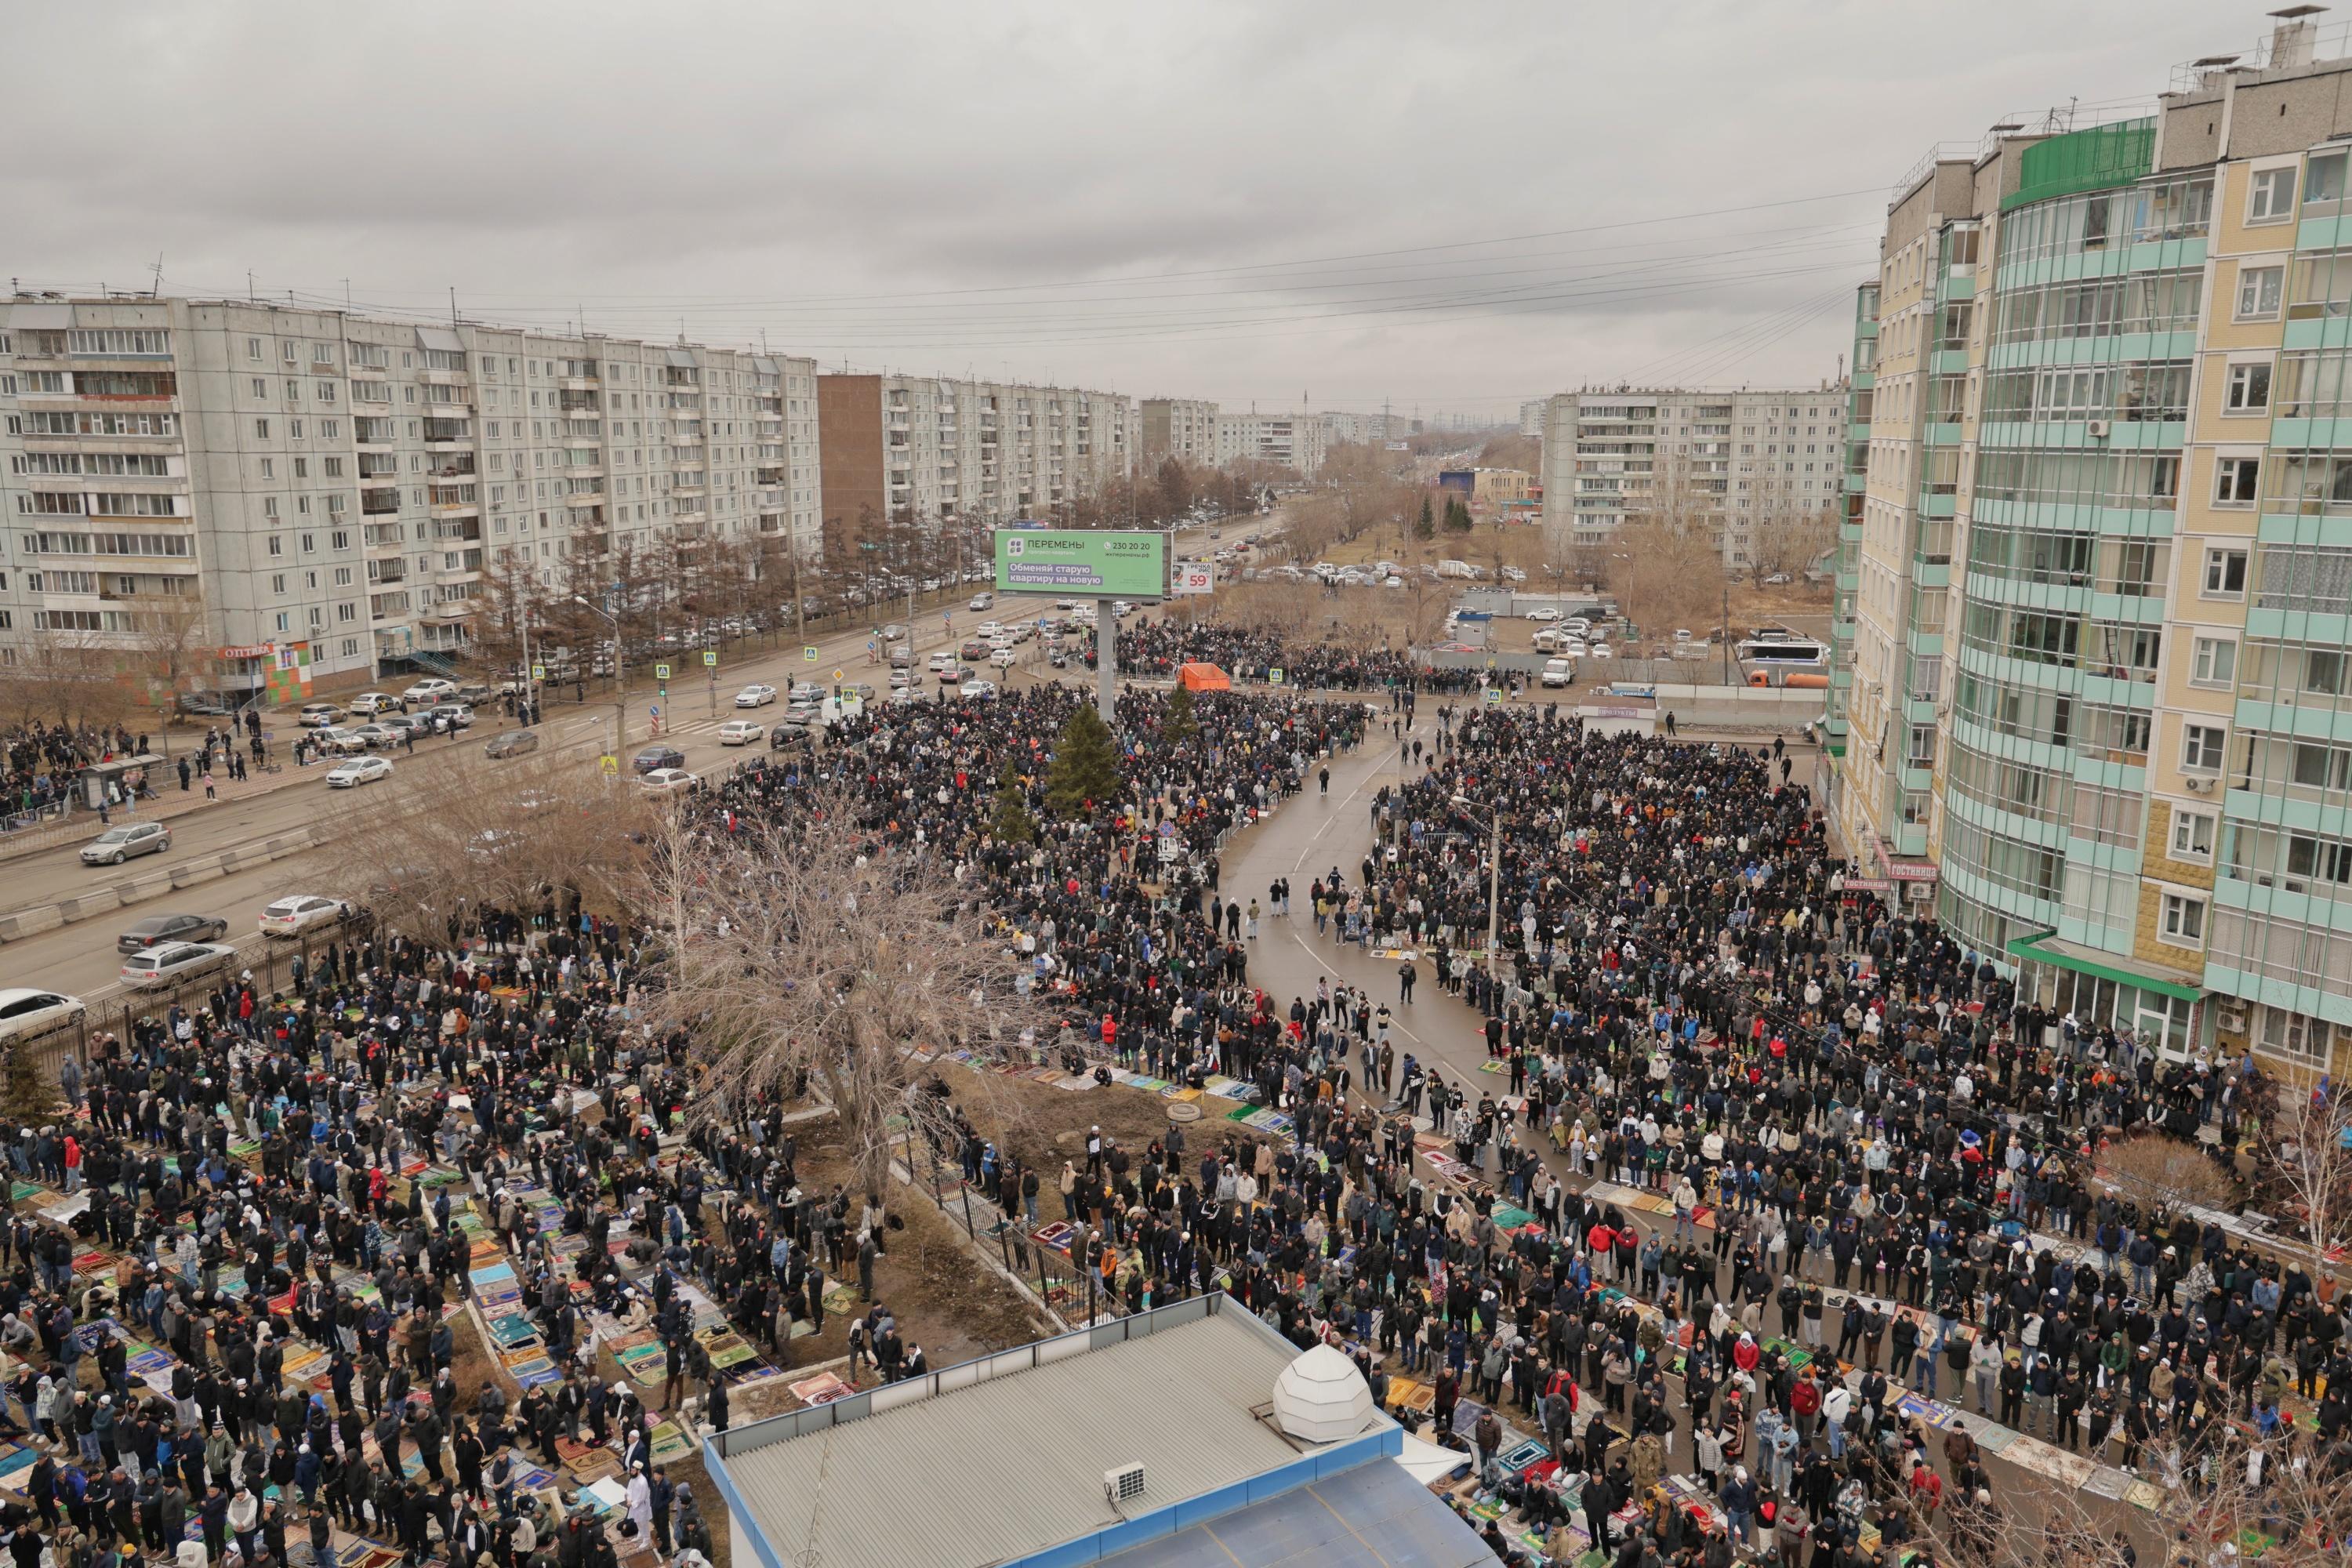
(1727, 634)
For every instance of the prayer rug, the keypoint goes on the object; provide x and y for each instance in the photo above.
(822, 1389)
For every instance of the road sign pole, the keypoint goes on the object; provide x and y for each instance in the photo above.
(1106, 663)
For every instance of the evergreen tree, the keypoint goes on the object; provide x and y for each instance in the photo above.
(1085, 771)
(1458, 516)
(1427, 527)
(1181, 725)
(25, 1093)
(1011, 823)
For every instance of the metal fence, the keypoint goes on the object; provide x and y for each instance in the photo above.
(270, 963)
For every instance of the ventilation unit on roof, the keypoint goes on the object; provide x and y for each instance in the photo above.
(1123, 1485)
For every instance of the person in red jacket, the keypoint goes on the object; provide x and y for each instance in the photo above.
(1805, 1404)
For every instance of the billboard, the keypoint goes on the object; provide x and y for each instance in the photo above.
(1076, 561)
(1193, 577)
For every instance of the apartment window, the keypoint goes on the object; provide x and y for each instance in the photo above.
(2249, 389)
(346, 612)
(293, 392)
(342, 540)
(277, 545)
(282, 622)
(2271, 198)
(252, 349)
(2214, 662)
(261, 429)
(270, 506)
(350, 647)
(268, 467)
(343, 576)
(278, 584)
(309, 543)
(260, 386)
(2324, 671)
(2201, 747)
(2285, 1034)
(2192, 834)
(2237, 481)
(290, 353)
(2258, 292)
(2225, 574)
(301, 468)
(2310, 859)
(2184, 920)
(294, 428)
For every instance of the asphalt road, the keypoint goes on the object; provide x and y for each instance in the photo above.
(80, 958)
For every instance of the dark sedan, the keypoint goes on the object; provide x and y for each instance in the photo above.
(654, 757)
(157, 928)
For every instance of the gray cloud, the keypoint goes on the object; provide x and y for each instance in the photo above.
(893, 183)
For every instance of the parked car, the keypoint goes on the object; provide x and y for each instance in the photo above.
(125, 840)
(741, 731)
(373, 735)
(755, 696)
(668, 781)
(346, 742)
(318, 715)
(157, 928)
(357, 771)
(426, 693)
(26, 1012)
(513, 744)
(1559, 672)
(979, 691)
(654, 758)
(1545, 614)
(291, 916)
(174, 961)
(448, 718)
(403, 725)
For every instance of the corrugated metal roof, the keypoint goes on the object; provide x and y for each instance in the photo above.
(444, 339)
(1374, 1516)
(1015, 1465)
(684, 358)
(763, 364)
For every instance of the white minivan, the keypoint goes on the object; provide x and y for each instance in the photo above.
(1559, 672)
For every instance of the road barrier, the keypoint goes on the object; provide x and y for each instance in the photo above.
(122, 894)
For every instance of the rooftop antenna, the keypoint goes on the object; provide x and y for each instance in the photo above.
(249, 293)
(347, 295)
(156, 288)
(453, 304)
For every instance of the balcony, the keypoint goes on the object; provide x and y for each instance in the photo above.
(448, 435)
(686, 439)
(380, 536)
(373, 432)
(380, 503)
(431, 377)
(584, 497)
(453, 470)
(587, 383)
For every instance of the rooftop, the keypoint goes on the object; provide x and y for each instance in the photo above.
(1012, 1464)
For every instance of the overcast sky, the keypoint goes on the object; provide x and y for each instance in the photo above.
(1456, 207)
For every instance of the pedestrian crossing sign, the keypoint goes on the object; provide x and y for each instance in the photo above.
(661, 672)
(1494, 695)
(808, 656)
(539, 672)
(709, 658)
(1274, 677)
(609, 762)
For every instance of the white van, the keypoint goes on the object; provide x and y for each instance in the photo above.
(982, 603)
(1559, 672)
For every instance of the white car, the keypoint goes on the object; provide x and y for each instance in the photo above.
(1391, 582)
(25, 1011)
(983, 602)
(1572, 647)
(739, 732)
(755, 697)
(318, 715)
(978, 691)
(174, 961)
(426, 693)
(333, 739)
(942, 663)
(357, 771)
(289, 916)
(1602, 650)
(1005, 658)
(124, 839)
(989, 631)
(668, 781)
(1546, 614)
(368, 704)
(1559, 672)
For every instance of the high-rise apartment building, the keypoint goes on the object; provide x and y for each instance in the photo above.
(1741, 459)
(1531, 415)
(1294, 441)
(1364, 429)
(981, 452)
(1184, 428)
(326, 490)
(2102, 683)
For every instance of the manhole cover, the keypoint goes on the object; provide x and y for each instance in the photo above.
(1183, 1110)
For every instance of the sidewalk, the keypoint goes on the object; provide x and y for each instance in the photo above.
(171, 803)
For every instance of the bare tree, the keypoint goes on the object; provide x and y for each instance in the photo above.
(538, 833)
(2157, 1171)
(1785, 539)
(825, 958)
(2301, 1153)
(174, 650)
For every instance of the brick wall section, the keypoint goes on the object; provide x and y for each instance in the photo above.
(2147, 941)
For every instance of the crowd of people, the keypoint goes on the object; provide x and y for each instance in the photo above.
(43, 757)
(1157, 650)
(1856, 1128)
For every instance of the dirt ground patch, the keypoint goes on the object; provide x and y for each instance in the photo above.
(1043, 1126)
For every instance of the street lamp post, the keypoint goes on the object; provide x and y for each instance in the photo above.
(1494, 876)
(620, 678)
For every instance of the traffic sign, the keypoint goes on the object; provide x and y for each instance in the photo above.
(808, 656)
(610, 763)
(836, 675)
(709, 658)
(1274, 677)
(661, 672)
(539, 672)
(1494, 695)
